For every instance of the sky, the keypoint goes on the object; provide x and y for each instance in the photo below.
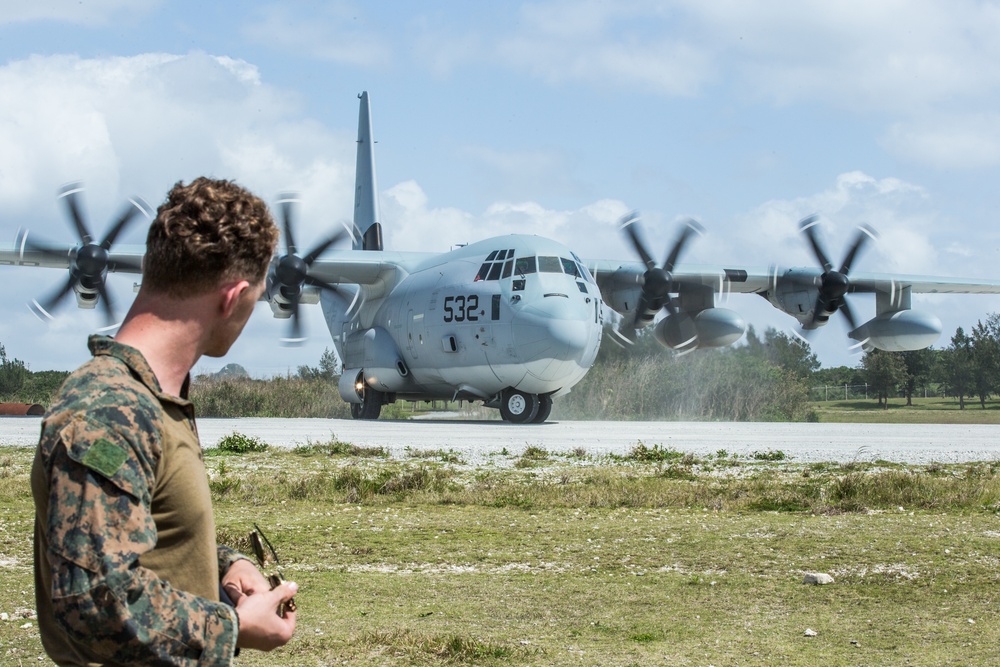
(552, 118)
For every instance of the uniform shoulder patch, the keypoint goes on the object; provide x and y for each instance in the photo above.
(105, 457)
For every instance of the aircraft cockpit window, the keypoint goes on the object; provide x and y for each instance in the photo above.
(524, 265)
(569, 267)
(549, 265)
(494, 264)
(508, 266)
(584, 273)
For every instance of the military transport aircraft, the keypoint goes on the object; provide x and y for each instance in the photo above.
(511, 321)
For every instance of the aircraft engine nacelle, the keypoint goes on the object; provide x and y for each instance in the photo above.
(794, 293)
(900, 331)
(281, 304)
(382, 363)
(712, 327)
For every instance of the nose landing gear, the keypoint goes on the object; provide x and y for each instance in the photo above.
(520, 407)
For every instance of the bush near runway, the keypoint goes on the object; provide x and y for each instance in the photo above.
(656, 557)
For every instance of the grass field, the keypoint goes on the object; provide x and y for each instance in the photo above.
(655, 558)
(923, 411)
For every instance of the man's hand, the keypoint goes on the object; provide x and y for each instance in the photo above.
(242, 579)
(261, 627)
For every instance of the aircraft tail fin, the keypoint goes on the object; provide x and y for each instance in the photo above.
(366, 211)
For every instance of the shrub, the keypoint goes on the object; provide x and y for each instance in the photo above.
(238, 443)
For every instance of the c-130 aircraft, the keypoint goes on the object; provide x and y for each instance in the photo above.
(512, 321)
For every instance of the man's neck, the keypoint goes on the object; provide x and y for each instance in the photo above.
(168, 333)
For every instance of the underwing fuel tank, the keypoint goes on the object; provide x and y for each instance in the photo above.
(901, 331)
(711, 327)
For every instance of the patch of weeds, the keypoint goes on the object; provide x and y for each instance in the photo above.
(338, 448)
(654, 454)
(936, 468)
(447, 456)
(408, 480)
(518, 500)
(238, 443)
(223, 486)
(982, 471)
(453, 649)
(678, 471)
(532, 457)
(781, 502)
(644, 637)
(769, 455)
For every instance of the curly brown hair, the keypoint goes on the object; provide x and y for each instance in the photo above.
(207, 233)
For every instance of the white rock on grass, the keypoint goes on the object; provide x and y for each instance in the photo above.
(817, 578)
(810, 632)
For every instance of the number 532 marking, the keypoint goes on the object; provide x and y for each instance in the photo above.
(461, 308)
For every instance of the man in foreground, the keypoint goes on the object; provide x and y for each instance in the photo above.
(127, 569)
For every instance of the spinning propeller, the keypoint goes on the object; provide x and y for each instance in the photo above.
(657, 280)
(833, 285)
(90, 261)
(291, 272)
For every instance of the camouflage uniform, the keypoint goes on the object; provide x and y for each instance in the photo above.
(127, 569)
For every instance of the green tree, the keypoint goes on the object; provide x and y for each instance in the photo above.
(956, 366)
(328, 368)
(985, 358)
(788, 352)
(13, 374)
(885, 372)
(919, 365)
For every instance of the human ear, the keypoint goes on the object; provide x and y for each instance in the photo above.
(230, 296)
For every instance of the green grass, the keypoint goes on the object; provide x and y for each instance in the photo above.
(923, 411)
(573, 560)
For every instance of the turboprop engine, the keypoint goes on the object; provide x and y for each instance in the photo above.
(711, 327)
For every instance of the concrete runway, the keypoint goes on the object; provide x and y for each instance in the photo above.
(476, 440)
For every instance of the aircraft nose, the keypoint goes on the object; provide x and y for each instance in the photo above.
(570, 334)
(552, 330)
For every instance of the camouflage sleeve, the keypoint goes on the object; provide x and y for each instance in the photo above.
(99, 524)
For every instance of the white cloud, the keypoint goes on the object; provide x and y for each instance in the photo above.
(412, 223)
(901, 212)
(136, 125)
(927, 67)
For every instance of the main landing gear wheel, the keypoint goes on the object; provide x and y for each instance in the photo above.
(370, 406)
(518, 407)
(544, 409)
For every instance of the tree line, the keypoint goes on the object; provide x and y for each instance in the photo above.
(768, 377)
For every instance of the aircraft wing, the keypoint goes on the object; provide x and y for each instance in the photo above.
(616, 275)
(612, 275)
(882, 282)
(348, 266)
(51, 256)
(363, 267)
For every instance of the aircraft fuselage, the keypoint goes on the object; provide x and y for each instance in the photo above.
(513, 312)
